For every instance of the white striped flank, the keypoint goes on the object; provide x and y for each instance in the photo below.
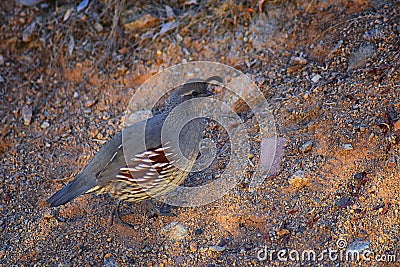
(160, 165)
(148, 160)
(161, 149)
(149, 174)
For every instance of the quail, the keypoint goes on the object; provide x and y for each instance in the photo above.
(130, 169)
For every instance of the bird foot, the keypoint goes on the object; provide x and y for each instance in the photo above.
(116, 213)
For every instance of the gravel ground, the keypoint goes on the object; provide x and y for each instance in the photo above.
(329, 70)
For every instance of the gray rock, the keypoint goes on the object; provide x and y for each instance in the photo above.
(174, 231)
(360, 57)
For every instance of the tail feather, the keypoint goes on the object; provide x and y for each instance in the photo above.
(80, 185)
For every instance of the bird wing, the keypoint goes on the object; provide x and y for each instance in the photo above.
(149, 173)
(140, 168)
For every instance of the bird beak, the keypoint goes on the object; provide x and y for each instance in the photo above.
(209, 93)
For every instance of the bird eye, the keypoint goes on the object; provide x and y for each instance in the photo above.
(195, 93)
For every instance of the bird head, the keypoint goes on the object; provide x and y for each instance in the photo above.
(192, 88)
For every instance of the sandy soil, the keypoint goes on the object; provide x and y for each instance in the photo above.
(329, 69)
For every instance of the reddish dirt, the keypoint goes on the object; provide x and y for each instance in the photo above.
(329, 69)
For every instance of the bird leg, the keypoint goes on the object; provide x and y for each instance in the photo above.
(116, 212)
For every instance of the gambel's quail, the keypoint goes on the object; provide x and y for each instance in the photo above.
(134, 165)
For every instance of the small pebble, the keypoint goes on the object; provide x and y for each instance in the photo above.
(28, 32)
(298, 61)
(347, 147)
(248, 246)
(27, 115)
(45, 125)
(392, 163)
(307, 146)
(283, 232)
(396, 125)
(47, 215)
(260, 80)
(193, 247)
(217, 248)
(360, 175)
(147, 249)
(362, 127)
(316, 78)
(298, 180)
(198, 231)
(90, 103)
(98, 27)
(344, 202)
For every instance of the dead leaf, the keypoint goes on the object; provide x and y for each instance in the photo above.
(82, 5)
(145, 22)
(67, 14)
(166, 27)
(29, 2)
(169, 11)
